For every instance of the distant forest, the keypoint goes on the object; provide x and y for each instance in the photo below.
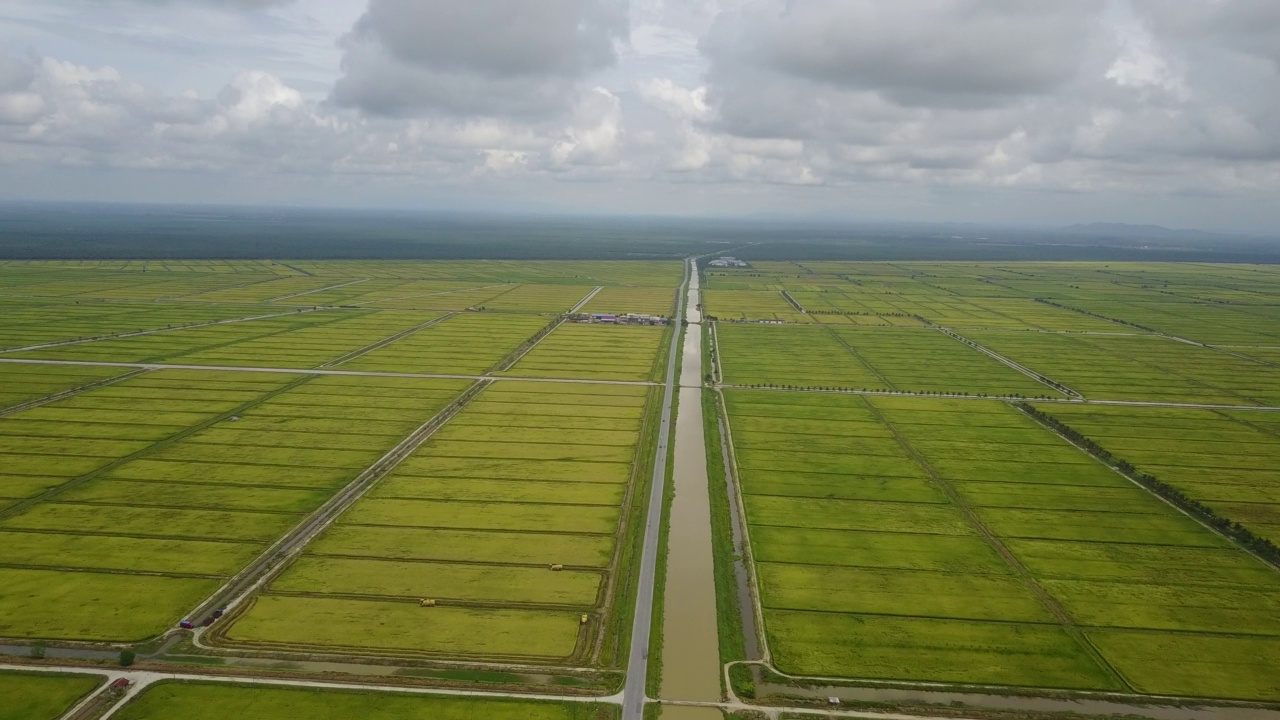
(86, 231)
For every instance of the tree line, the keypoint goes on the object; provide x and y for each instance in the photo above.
(1260, 546)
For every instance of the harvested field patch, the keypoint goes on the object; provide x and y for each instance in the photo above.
(403, 626)
(492, 583)
(112, 607)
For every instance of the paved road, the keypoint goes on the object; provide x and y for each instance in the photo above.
(316, 371)
(633, 693)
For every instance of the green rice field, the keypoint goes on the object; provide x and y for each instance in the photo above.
(595, 352)
(166, 426)
(528, 476)
(1224, 459)
(201, 701)
(152, 514)
(883, 520)
(42, 695)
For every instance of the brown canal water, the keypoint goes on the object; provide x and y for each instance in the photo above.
(690, 648)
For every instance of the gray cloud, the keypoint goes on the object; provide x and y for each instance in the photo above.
(1247, 26)
(16, 73)
(999, 94)
(931, 52)
(1110, 108)
(235, 4)
(500, 57)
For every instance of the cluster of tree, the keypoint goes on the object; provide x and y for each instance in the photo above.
(787, 296)
(1047, 381)
(1260, 546)
(1068, 308)
(856, 313)
(524, 346)
(920, 393)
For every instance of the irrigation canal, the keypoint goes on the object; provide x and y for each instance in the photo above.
(690, 649)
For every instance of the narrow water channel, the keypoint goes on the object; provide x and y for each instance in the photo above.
(690, 650)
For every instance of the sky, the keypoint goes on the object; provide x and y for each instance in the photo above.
(994, 111)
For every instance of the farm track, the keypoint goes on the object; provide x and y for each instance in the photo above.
(988, 398)
(156, 331)
(141, 679)
(795, 304)
(354, 354)
(111, 571)
(1189, 378)
(317, 290)
(70, 393)
(752, 610)
(1051, 384)
(276, 558)
(197, 293)
(944, 288)
(298, 270)
(422, 295)
(1015, 564)
(53, 492)
(858, 356)
(1235, 543)
(616, 582)
(527, 347)
(321, 371)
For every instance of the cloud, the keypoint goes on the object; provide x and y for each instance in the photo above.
(596, 135)
(752, 105)
(233, 4)
(1244, 26)
(76, 115)
(1077, 97)
(677, 101)
(499, 57)
(19, 105)
(52, 111)
(928, 52)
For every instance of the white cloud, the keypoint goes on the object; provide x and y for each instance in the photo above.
(679, 102)
(1142, 64)
(743, 104)
(596, 135)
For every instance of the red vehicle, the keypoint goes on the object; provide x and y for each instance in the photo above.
(186, 625)
(121, 684)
